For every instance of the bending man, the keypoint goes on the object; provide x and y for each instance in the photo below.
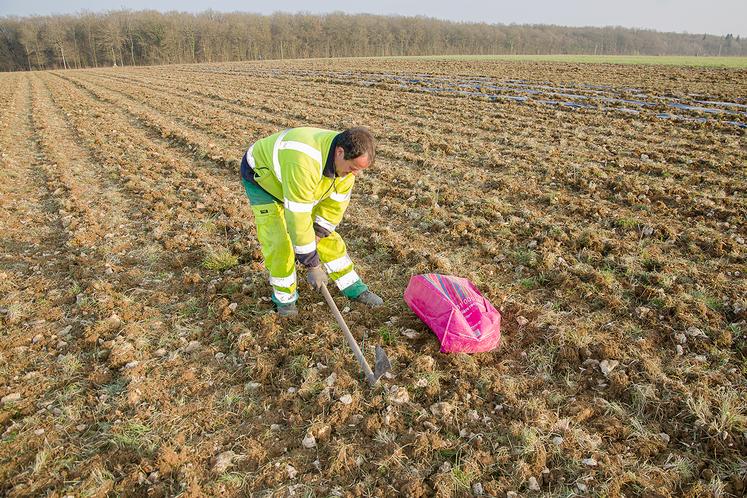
(299, 183)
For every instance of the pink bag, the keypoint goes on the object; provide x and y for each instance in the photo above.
(462, 319)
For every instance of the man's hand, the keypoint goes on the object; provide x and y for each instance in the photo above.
(316, 277)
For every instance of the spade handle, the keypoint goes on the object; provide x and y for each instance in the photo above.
(349, 337)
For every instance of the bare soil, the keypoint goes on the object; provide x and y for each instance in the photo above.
(603, 208)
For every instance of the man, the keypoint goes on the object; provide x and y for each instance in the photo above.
(299, 183)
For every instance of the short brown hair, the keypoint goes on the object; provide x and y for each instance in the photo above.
(357, 142)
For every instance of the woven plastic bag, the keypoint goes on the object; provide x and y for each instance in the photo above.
(462, 319)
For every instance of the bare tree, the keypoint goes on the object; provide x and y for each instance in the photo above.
(151, 37)
(54, 33)
(28, 36)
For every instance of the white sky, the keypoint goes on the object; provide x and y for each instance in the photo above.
(693, 16)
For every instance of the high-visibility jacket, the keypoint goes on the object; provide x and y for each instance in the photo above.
(296, 166)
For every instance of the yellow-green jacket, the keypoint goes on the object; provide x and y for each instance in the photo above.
(296, 166)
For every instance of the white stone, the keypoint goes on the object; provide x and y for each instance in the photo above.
(224, 461)
(533, 484)
(411, 333)
(399, 395)
(680, 350)
(309, 441)
(590, 462)
(192, 346)
(292, 472)
(695, 332)
(521, 320)
(160, 352)
(608, 366)
(477, 489)
(330, 381)
(346, 399)
(441, 409)
(557, 440)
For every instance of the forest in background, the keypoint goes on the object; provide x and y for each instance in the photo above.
(127, 38)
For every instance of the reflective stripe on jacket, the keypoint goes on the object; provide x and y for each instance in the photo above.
(296, 166)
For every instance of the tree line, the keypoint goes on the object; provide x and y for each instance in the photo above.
(125, 38)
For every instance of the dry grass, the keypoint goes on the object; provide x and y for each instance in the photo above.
(614, 235)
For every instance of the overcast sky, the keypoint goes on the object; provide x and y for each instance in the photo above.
(694, 16)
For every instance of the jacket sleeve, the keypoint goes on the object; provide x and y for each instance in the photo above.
(329, 212)
(301, 175)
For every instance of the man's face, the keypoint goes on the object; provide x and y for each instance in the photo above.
(343, 166)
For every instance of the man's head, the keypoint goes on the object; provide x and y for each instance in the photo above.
(355, 151)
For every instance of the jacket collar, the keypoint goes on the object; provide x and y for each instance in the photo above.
(329, 166)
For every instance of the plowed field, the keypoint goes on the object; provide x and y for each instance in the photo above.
(602, 208)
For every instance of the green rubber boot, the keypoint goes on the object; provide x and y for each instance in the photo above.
(287, 310)
(369, 298)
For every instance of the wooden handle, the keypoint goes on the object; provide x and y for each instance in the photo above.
(348, 336)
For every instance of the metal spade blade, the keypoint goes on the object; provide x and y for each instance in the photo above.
(382, 362)
(382, 365)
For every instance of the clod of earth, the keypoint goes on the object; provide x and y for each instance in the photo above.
(10, 398)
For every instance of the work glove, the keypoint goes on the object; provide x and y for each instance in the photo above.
(316, 277)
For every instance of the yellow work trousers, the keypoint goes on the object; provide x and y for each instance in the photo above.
(280, 260)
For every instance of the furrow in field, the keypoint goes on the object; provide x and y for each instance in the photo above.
(476, 120)
(277, 401)
(179, 172)
(140, 281)
(547, 133)
(703, 238)
(101, 228)
(596, 254)
(9, 87)
(400, 224)
(577, 279)
(610, 217)
(669, 197)
(466, 264)
(34, 262)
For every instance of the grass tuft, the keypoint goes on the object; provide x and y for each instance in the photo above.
(219, 260)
